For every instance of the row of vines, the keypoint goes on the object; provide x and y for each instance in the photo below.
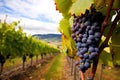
(15, 43)
(74, 14)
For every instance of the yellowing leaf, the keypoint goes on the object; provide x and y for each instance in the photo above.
(116, 4)
(0, 25)
(99, 4)
(80, 6)
(65, 27)
(106, 58)
(63, 5)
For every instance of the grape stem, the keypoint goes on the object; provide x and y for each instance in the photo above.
(116, 9)
(105, 43)
(105, 22)
(82, 75)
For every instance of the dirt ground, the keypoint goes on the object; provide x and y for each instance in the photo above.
(39, 72)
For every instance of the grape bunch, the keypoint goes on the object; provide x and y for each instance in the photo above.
(86, 34)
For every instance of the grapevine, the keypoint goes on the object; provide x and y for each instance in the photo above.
(86, 34)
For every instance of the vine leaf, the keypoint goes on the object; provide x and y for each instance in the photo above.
(99, 4)
(116, 54)
(80, 6)
(106, 57)
(116, 4)
(63, 6)
(65, 27)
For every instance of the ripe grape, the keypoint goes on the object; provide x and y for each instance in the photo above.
(89, 41)
(91, 37)
(86, 34)
(84, 40)
(87, 23)
(97, 34)
(91, 49)
(90, 32)
(86, 56)
(82, 67)
(87, 65)
(78, 44)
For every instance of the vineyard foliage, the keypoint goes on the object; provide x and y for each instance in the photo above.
(68, 8)
(15, 43)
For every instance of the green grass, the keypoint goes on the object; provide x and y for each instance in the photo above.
(12, 63)
(55, 70)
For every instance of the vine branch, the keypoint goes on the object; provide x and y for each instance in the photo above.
(105, 22)
(103, 45)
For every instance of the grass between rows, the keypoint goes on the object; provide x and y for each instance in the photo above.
(55, 71)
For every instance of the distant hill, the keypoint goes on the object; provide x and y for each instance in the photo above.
(49, 37)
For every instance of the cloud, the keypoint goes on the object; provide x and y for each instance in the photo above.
(37, 15)
(34, 8)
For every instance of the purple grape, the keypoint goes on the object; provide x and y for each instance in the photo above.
(80, 48)
(82, 61)
(80, 30)
(84, 49)
(73, 30)
(97, 34)
(92, 55)
(76, 19)
(78, 25)
(83, 19)
(75, 39)
(92, 27)
(80, 36)
(86, 56)
(82, 52)
(91, 49)
(74, 24)
(73, 35)
(82, 26)
(91, 37)
(85, 35)
(80, 21)
(78, 44)
(84, 40)
(90, 32)
(84, 45)
(95, 24)
(88, 27)
(87, 60)
(96, 49)
(78, 39)
(87, 65)
(87, 23)
(76, 62)
(97, 39)
(97, 28)
(81, 56)
(82, 67)
(77, 32)
(89, 41)
(78, 53)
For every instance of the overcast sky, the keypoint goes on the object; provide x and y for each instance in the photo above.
(38, 16)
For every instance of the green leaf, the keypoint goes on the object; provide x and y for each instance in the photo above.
(99, 4)
(0, 25)
(116, 53)
(116, 4)
(80, 6)
(106, 57)
(116, 35)
(63, 6)
(65, 27)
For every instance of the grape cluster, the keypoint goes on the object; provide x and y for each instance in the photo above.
(86, 34)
